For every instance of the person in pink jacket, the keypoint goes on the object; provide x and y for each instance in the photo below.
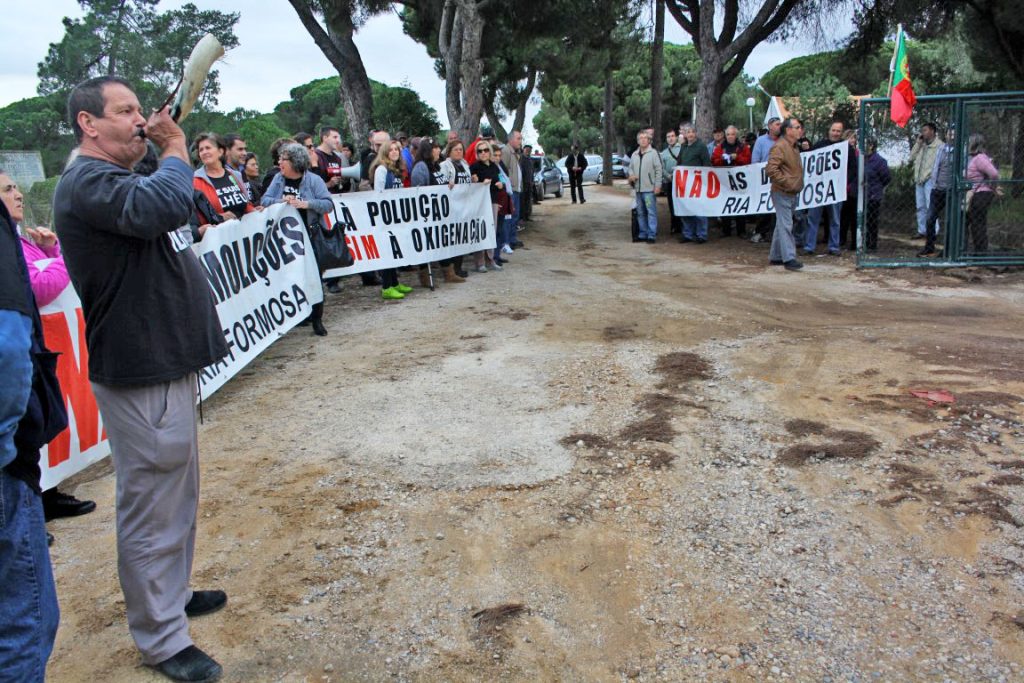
(48, 280)
(981, 172)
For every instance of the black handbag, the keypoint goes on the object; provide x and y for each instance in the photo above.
(329, 246)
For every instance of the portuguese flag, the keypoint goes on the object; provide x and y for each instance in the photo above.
(901, 91)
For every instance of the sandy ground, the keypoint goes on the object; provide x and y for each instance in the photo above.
(608, 462)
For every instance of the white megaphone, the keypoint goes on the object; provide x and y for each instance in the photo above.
(351, 172)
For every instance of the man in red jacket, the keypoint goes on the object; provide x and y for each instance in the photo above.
(732, 151)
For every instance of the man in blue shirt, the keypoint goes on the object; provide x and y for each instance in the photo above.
(763, 145)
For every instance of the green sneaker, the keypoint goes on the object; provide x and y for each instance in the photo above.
(404, 289)
(391, 293)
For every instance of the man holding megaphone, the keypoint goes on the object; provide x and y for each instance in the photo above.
(151, 325)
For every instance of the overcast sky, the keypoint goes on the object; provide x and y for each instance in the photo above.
(276, 54)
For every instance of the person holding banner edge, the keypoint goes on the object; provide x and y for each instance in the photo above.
(151, 325)
(299, 187)
(832, 211)
(786, 172)
(693, 153)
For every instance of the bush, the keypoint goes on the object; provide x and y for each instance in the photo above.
(39, 202)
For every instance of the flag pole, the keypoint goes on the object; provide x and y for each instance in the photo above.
(892, 62)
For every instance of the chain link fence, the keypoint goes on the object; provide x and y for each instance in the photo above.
(977, 223)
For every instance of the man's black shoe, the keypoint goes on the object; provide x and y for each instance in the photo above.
(371, 282)
(191, 664)
(700, 240)
(49, 539)
(500, 261)
(793, 264)
(651, 240)
(917, 236)
(57, 504)
(775, 262)
(583, 201)
(334, 288)
(684, 240)
(574, 201)
(205, 602)
(927, 251)
(319, 329)
(517, 245)
(637, 239)
(461, 273)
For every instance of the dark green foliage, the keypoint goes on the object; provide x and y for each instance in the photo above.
(318, 103)
(37, 123)
(129, 38)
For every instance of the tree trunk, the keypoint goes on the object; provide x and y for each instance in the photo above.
(531, 82)
(337, 45)
(609, 129)
(494, 119)
(709, 98)
(471, 69)
(657, 66)
(459, 40)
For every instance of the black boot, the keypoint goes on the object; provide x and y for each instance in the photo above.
(317, 318)
(191, 664)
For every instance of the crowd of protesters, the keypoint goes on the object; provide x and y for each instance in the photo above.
(227, 184)
(833, 225)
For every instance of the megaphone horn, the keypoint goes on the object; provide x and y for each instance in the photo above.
(351, 172)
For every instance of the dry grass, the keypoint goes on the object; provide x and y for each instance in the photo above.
(805, 427)
(660, 404)
(589, 441)
(659, 459)
(853, 446)
(657, 428)
(1009, 464)
(984, 501)
(490, 621)
(988, 398)
(680, 367)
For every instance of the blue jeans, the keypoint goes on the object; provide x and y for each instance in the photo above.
(695, 227)
(646, 215)
(922, 197)
(28, 597)
(814, 216)
(507, 227)
(16, 371)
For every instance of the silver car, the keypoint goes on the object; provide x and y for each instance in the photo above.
(546, 178)
(595, 169)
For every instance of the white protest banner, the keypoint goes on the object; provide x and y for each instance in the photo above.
(414, 225)
(265, 281)
(745, 190)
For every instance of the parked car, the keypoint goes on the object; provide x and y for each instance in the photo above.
(546, 178)
(595, 168)
(620, 166)
(591, 174)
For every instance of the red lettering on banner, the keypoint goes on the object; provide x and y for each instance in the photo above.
(370, 245)
(73, 374)
(681, 184)
(697, 185)
(353, 246)
(714, 186)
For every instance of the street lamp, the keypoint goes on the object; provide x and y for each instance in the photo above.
(750, 110)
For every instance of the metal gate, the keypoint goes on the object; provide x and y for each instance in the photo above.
(973, 228)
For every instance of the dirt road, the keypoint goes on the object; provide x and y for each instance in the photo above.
(608, 462)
